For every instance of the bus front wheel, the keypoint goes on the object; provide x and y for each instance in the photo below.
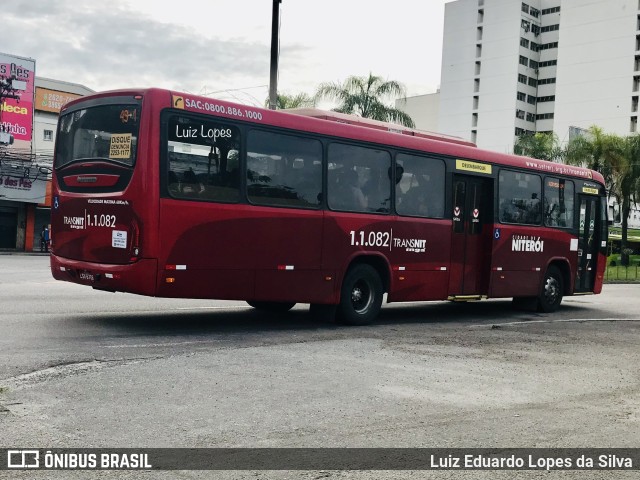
(552, 290)
(275, 307)
(361, 296)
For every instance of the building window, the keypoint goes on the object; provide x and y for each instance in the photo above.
(545, 81)
(522, 78)
(546, 11)
(522, 96)
(548, 98)
(524, 42)
(531, 99)
(547, 46)
(533, 82)
(547, 63)
(550, 28)
(48, 136)
(534, 12)
(533, 64)
(544, 116)
(535, 29)
(520, 114)
(525, 8)
(531, 117)
(534, 46)
(524, 61)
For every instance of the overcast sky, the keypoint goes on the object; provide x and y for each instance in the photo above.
(221, 47)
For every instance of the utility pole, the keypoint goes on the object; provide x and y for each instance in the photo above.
(275, 32)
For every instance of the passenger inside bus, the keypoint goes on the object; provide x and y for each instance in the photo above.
(415, 202)
(347, 194)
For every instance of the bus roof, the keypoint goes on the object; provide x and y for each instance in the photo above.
(316, 121)
(369, 123)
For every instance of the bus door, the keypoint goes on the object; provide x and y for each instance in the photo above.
(472, 217)
(588, 243)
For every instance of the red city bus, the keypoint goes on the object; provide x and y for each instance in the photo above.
(172, 195)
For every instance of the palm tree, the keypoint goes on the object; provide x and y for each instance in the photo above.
(618, 160)
(545, 146)
(284, 101)
(364, 96)
(595, 150)
(627, 185)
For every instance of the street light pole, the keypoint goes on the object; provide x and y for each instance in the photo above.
(275, 31)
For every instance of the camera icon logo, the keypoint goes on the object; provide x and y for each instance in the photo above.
(23, 459)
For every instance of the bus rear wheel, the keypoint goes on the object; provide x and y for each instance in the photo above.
(361, 296)
(552, 290)
(274, 307)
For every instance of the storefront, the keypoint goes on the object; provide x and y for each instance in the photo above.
(22, 208)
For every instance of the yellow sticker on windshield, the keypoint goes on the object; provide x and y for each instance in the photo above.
(120, 146)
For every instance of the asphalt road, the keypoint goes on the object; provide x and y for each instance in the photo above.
(81, 368)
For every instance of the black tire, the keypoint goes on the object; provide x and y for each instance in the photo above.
(361, 296)
(274, 307)
(552, 290)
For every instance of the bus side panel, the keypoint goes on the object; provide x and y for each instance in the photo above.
(417, 251)
(520, 258)
(426, 270)
(288, 256)
(241, 252)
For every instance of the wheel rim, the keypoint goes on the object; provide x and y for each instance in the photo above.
(361, 296)
(552, 290)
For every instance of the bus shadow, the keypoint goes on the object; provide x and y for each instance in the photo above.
(250, 321)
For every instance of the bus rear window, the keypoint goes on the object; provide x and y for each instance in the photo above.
(101, 133)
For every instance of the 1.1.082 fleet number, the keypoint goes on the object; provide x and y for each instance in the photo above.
(370, 239)
(101, 221)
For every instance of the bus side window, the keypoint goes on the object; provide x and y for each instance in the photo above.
(198, 165)
(420, 189)
(358, 179)
(558, 202)
(283, 170)
(519, 198)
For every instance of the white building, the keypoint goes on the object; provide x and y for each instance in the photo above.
(423, 109)
(511, 67)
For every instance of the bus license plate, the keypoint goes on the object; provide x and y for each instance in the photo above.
(87, 276)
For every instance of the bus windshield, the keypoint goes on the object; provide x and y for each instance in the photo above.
(101, 133)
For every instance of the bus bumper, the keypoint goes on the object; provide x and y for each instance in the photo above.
(138, 277)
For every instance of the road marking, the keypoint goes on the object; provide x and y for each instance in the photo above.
(560, 320)
(214, 308)
(151, 345)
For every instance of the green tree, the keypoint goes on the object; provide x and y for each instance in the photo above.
(365, 96)
(544, 146)
(596, 150)
(618, 160)
(626, 174)
(284, 101)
